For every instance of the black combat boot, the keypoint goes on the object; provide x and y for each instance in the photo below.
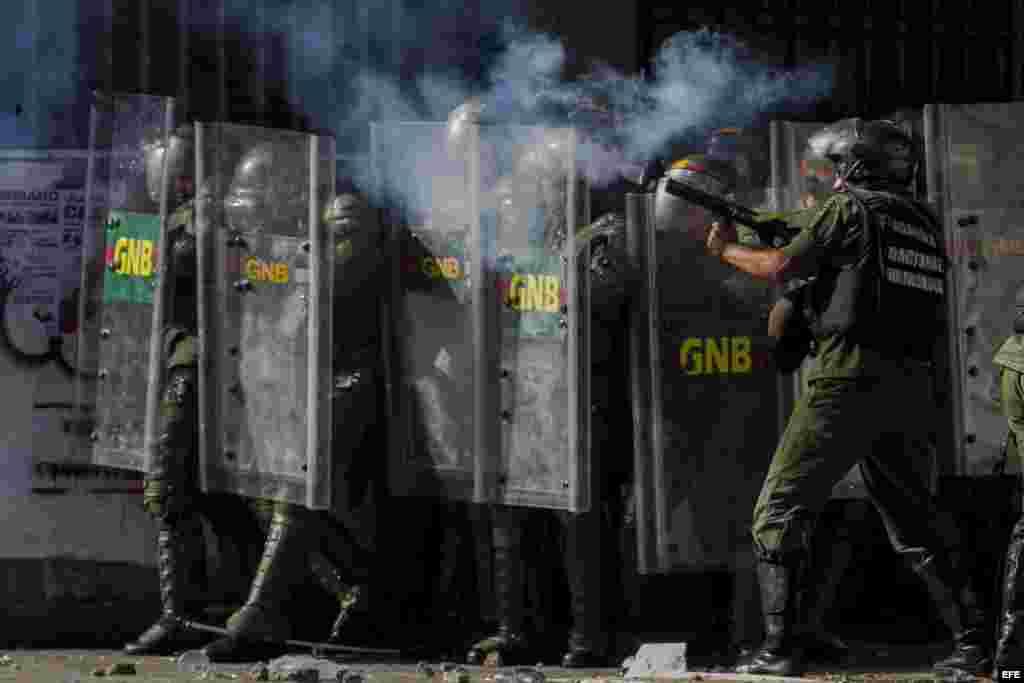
(587, 637)
(958, 605)
(509, 643)
(821, 580)
(1010, 644)
(258, 630)
(781, 653)
(181, 562)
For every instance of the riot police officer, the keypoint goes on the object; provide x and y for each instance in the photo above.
(171, 491)
(298, 540)
(875, 312)
(540, 178)
(1010, 359)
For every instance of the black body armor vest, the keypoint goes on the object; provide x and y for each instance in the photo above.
(893, 298)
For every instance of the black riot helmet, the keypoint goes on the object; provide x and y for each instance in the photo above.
(270, 187)
(868, 153)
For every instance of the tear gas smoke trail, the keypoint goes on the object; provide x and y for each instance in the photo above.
(702, 80)
(425, 61)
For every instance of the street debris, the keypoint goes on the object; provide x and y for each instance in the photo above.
(521, 674)
(193, 662)
(658, 660)
(6, 660)
(310, 668)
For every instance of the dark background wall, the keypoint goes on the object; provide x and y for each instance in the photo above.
(889, 54)
(284, 62)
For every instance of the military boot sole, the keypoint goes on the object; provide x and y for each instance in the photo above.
(165, 638)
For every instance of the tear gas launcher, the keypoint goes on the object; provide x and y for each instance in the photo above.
(771, 230)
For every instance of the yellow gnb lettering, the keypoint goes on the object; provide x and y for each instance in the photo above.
(430, 268)
(145, 258)
(533, 300)
(121, 255)
(512, 296)
(134, 257)
(717, 357)
(710, 356)
(691, 346)
(551, 294)
(451, 268)
(529, 293)
(263, 271)
(741, 358)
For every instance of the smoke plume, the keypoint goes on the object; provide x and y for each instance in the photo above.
(407, 62)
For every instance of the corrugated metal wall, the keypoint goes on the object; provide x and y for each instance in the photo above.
(888, 53)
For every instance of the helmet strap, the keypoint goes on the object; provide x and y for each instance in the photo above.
(843, 174)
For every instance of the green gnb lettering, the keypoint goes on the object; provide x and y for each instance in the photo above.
(130, 267)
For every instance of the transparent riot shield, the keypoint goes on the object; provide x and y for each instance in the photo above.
(434, 310)
(121, 298)
(976, 178)
(485, 403)
(540, 314)
(705, 401)
(265, 311)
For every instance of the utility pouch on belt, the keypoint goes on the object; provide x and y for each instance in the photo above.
(789, 331)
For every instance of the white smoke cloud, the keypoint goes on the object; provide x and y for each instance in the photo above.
(425, 61)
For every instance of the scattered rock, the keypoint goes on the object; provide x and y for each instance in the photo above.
(425, 669)
(6, 660)
(493, 660)
(304, 668)
(447, 666)
(525, 674)
(99, 671)
(354, 677)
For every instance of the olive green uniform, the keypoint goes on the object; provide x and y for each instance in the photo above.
(584, 539)
(301, 543)
(853, 411)
(859, 407)
(1010, 359)
(171, 491)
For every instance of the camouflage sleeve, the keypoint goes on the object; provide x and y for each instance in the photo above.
(820, 229)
